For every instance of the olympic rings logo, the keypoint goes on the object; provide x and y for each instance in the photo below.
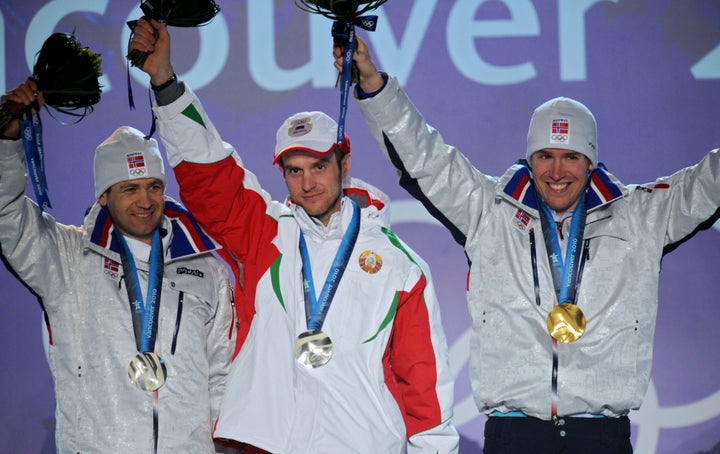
(137, 172)
(559, 138)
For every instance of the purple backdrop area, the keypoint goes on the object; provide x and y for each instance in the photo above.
(649, 70)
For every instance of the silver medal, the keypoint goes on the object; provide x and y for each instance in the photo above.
(147, 371)
(313, 348)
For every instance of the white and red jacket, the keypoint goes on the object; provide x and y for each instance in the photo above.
(388, 387)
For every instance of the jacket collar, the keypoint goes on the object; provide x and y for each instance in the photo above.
(188, 238)
(517, 185)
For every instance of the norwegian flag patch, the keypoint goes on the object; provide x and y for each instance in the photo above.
(521, 220)
(560, 131)
(111, 269)
(136, 165)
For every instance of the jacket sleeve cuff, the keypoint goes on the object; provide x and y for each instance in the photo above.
(363, 95)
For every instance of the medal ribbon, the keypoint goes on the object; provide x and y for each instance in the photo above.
(145, 314)
(343, 32)
(316, 310)
(564, 273)
(31, 132)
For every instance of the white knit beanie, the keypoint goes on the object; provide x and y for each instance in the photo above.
(563, 123)
(126, 155)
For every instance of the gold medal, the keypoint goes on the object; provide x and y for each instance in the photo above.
(566, 323)
(147, 371)
(313, 348)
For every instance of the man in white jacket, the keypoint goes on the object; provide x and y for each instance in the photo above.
(341, 346)
(139, 313)
(565, 261)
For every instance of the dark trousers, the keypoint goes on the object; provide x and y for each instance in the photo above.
(525, 435)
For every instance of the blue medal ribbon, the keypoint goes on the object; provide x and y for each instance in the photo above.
(316, 309)
(144, 313)
(565, 273)
(343, 32)
(31, 132)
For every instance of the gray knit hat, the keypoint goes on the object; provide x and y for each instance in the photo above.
(126, 155)
(563, 123)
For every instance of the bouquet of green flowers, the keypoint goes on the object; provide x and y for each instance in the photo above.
(67, 75)
(177, 13)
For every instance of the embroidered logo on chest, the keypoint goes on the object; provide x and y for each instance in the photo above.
(370, 262)
(111, 269)
(521, 220)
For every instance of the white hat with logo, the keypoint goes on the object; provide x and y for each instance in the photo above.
(563, 123)
(126, 155)
(313, 132)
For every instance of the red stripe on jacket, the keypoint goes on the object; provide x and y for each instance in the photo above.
(410, 358)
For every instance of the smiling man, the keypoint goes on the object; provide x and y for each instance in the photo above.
(564, 266)
(138, 311)
(136, 207)
(560, 177)
(561, 151)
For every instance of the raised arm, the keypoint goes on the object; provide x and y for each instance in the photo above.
(432, 171)
(152, 37)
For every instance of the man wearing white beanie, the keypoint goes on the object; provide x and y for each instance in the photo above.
(138, 311)
(564, 266)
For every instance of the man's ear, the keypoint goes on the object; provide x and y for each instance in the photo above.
(281, 165)
(103, 199)
(345, 165)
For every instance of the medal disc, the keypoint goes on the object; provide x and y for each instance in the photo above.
(147, 371)
(566, 323)
(313, 348)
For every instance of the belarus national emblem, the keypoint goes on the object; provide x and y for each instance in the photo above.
(300, 127)
(370, 262)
